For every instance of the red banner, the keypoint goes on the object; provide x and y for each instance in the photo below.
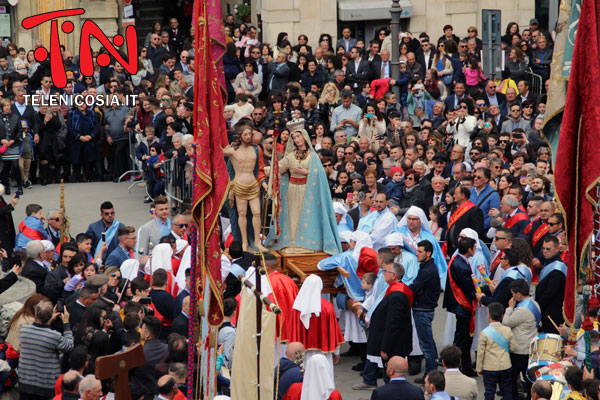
(211, 180)
(577, 161)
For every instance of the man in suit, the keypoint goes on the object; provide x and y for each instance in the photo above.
(186, 83)
(433, 194)
(459, 94)
(380, 68)
(357, 70)
(388, 335)
(491, 96)
(176, 36)
(364, 208)
(34, 268)
(346, 41)
(155, 50)
(459, 299)
(457, 384)
(180, 323)
(397, 388)
(425, 55)
(53, 227)
(279, 73)
(87, 296)
(124, 250)
(466, 215)
(524, 93)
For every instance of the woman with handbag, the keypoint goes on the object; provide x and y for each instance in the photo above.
(11, 139)
(442, 65)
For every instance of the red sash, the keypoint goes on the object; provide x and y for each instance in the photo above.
(496, 263)
(401, 287)
(459, 212)
(541, 231)
(164, 320)
(518, 217)
(529, 227)
(462, 299)
(30, 232)
(563, 255)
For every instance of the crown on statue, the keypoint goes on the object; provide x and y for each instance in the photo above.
(295, 125)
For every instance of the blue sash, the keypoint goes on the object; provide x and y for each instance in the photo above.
(518, 272)
(553, 266)
(497, 338)
(528, 304)
(110, 234)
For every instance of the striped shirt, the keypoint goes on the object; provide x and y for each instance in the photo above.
(39, 365)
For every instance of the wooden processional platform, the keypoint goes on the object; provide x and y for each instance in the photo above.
(299, 266)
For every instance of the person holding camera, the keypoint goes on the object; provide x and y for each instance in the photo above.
(372, 125)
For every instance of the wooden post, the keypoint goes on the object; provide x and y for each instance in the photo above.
(119, 365)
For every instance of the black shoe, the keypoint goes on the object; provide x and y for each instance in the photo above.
(420, 381)
(351, 352)
(358, 367)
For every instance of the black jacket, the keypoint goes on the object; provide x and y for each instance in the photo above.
(7, 227)
(471, 219)
(54, 285)
(461, 275)
(36, 273)
(397, 390)
(180, 325)
(549, 294)
(357, 76)
(426, 287)
(390, 330)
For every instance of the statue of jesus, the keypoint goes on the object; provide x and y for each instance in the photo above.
(245, 186)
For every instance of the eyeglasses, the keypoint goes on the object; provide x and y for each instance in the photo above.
(409, 178)
(547, 248)
(47, 81)
(327, 165)
(500, 238)
(144, 50)
(529, 106)
(348, 154)
(552, 223)
(109, 213)
(464, 107)
(515, 110)
(478, 177)
(115, 275)
(470, 31)
(503, 141)
(480, 104)
(69, 58)
(473, 153)
(165, 99)
(255, 52)
(181, 226)
(54, 219)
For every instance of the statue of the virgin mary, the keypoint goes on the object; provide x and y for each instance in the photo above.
(307, 219)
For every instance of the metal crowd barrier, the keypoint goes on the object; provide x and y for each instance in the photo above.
(178, 181)
(537, 81)
(137, 165)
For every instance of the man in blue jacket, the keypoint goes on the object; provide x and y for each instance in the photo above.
(483, 195)
(289, 371)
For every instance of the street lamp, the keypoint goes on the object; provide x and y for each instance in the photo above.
(395, 11)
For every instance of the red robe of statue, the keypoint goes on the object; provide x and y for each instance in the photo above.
(284, 293)
(324, 333)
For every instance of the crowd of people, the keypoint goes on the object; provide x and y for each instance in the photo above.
(439, 181)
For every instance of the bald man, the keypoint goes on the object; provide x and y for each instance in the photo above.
(70, 385)
(167, 387)
(289, 368)
(397, 388)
